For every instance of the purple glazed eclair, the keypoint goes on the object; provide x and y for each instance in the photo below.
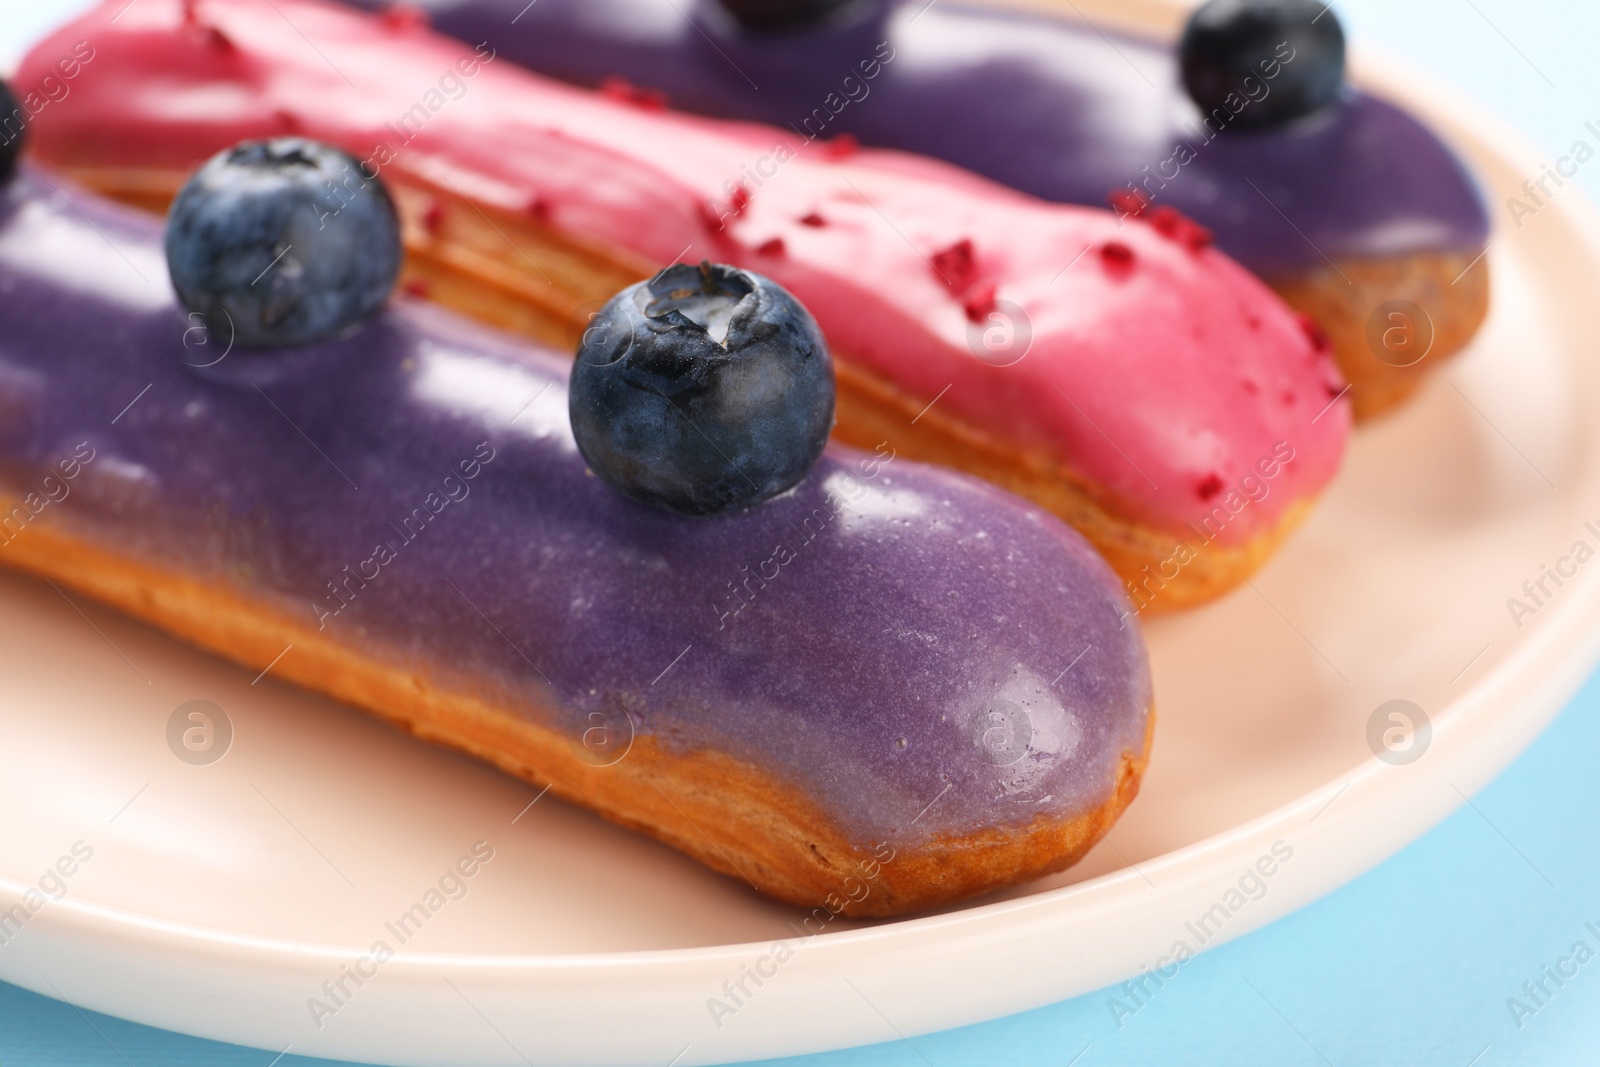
(886, 689)
(1356, 213)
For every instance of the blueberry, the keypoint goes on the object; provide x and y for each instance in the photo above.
(282, 242)
(702, 390)
(782, 14)
(13, 124)
(1234, 50)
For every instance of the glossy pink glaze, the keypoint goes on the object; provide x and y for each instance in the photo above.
(1167, 382)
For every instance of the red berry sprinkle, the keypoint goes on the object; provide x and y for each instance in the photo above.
(1319, 340)
(433, 217)
(713, 217)
(1117, 256)
(841, 147)
(956, 266)
(813, 220)
(979, 301)
(417, 287)
(772, 246)
(404, 17)
(1197, 237)
(739, 200)
(1209, 487)
(1128, 203)
(1167, 221)
(1170, 222)
(620, 89)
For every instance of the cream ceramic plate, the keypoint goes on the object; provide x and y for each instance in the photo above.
(220, 898)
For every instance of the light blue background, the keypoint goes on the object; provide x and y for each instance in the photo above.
(1411, 964)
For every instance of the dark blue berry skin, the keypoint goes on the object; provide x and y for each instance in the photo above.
(13, 125)
(678, 416)
(282, 242)
(1227, 41)
(782, 14)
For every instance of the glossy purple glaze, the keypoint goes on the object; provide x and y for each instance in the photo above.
(1042, 104)
(865, 670)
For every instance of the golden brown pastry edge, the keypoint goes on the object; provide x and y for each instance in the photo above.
(729, 814)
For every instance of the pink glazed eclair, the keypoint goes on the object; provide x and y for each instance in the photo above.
(1133, 380)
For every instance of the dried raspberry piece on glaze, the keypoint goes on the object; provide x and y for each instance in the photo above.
(739, 200)
(814, 220)
(417, 287)
(286, 120)
(979, 301)
(616, 87)
(1117, 257)
(1172, 223)
(772, 246)
(711, 216)
(1128, 203)
(433, 217)
(1209, 487)
(202, 30)
(1197, 237)
(1315, 334)
(841, 147)
(956, 266)
(402, 17)
(1166, 220)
